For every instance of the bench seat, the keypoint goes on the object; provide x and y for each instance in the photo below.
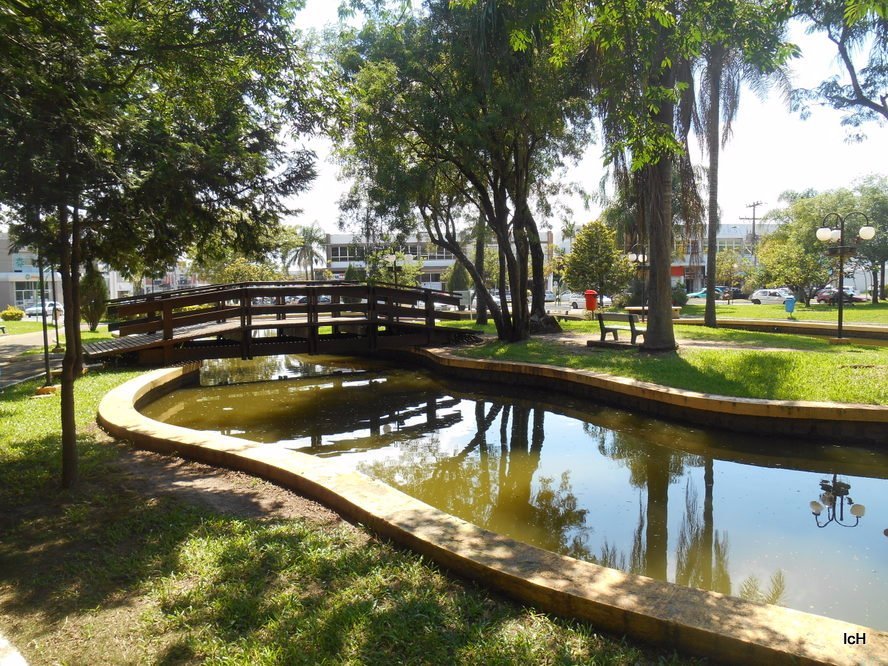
(631, 319)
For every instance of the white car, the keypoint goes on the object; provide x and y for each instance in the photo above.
(768, 296)
(578, 301)
(37, 310)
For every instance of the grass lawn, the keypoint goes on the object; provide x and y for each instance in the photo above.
(102, 333)
(111, 573)
(26, 325)
(809, 368)
(859, 313)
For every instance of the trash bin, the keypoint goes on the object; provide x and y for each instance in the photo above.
(591, 300)
(789, 304)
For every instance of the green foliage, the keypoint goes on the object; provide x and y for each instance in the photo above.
(731, 268)
(12, 313)
(862, 92)
(392, 267)
(679, 295)
(240, 269)
(595, 262)
(93, 295)
(355, 273)
(456, 277)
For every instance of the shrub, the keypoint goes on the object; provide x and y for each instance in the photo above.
(679, 295)
(621, 300)
(12, 313)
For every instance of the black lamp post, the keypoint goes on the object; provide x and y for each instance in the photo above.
(834, 498)
(638, 257)
(829, 235)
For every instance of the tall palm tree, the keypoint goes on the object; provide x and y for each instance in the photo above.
(311, 248)
(724, 71)
(569, 232)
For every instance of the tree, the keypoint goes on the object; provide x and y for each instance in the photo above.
(237, 269)
(863, 94)
(456, 277)
(311, 239)
(93, 296)
(873, 255)
(731, 268)
(569, 232)
(596, 261)
(743, 46)
(443, 119)
(394, 268)
(143, 128)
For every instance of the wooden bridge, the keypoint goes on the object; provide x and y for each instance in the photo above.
(265, 318)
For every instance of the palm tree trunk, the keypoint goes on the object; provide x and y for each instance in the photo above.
(714, 81)
(660, 335)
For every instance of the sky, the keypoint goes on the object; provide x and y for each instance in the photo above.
(771, 151)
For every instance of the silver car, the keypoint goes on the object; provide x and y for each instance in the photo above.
(768, 296)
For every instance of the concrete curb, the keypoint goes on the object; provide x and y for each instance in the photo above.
(865, 424)
(9, 656)
(696, 621)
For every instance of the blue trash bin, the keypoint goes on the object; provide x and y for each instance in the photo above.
(789, 304)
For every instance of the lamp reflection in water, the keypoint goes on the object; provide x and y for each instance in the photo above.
(833, 498)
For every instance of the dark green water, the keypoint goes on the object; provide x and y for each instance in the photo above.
(694, 506)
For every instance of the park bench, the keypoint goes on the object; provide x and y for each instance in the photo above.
(631, 319)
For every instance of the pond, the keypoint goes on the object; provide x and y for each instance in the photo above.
(694, 506)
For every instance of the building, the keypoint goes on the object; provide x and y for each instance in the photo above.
(345, 249)
(20, 278)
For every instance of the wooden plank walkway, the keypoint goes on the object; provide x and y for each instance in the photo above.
(289, 317)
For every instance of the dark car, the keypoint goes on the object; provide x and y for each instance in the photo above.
(831, 295)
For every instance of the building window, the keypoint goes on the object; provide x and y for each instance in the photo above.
(346, 253)
(28, 293)
(430, 277)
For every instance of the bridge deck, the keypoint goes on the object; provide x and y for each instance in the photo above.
(224, 320)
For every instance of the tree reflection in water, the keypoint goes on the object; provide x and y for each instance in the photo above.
(494, 485)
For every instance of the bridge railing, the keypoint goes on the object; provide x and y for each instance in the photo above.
(304, 303)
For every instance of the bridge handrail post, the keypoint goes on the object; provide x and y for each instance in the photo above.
(373, 322)
(246, 320)
(430, 315)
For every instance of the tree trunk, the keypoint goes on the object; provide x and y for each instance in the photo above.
(713, 75)
(540, 321)
(69, 428)
(480, 242)
(660, 335)
(73, 338)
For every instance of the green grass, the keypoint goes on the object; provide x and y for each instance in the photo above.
(109, 574)
(26, 325)
(859, 313)
(852, 374)
(102, 333)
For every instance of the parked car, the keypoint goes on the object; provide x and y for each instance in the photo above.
(302, 300)
(760, 296)
(550, 296)
(702, 293)
(51, 306)
(831, 295)
(578, 301)
(729, 292)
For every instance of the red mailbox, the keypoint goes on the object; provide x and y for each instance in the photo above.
(591, 300)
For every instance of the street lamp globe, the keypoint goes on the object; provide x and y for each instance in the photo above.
(816, 507)
(835, 235)
(632, 256)
(867, 232)
(824, 234)
(858, 510)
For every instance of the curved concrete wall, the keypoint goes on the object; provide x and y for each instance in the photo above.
(864, 424)
(696, 621)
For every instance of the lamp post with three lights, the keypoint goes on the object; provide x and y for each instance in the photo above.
(638, 257)
(826, 234)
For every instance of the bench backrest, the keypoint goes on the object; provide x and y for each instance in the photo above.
(618, 316)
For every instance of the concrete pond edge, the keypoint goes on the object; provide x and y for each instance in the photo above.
(698, 622)
(848, 423)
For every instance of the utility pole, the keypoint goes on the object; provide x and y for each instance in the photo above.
(753, 205)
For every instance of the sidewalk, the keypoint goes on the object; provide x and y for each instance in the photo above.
(9, 656)
(15, 368)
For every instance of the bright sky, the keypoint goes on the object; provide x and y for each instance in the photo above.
(771, 150)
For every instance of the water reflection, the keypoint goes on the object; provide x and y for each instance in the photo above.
(836, 491)
(700, 508)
